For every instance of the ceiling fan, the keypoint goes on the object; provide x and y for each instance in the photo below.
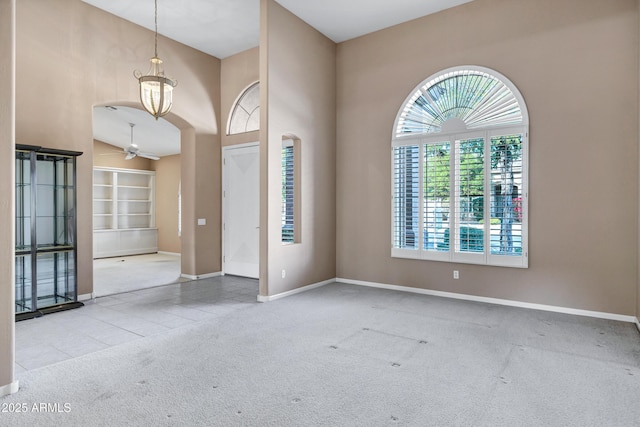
(132, 150)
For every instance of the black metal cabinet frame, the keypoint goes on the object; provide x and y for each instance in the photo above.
(46, 234)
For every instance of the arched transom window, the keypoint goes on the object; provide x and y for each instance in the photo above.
(245, 114)
(460, 186)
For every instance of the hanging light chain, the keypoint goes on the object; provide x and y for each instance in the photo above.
(155, 87)
(156, 22)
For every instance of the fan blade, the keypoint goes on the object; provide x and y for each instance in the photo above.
(150, 156)
(130, 156)
(112, 152)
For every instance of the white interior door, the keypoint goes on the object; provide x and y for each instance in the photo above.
(241, 210)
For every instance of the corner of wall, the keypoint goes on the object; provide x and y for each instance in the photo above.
(8, 384)
(285, 40)
(638, 177)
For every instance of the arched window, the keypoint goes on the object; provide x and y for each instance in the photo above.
(245, 114)
(460, 186)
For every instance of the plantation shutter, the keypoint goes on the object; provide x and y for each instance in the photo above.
(506, 195)
(406, 199)
(459, 170)
(436, 161)
(469, 203)
(288, 194)
(476, 98)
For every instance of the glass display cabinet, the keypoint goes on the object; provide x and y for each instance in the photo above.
(45, 264)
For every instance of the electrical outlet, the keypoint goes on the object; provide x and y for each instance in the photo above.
(284, 273)
(456, 274)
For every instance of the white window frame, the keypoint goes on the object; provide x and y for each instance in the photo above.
(452, 134)
(238, 104)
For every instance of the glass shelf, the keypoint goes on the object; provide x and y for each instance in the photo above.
(45, 200)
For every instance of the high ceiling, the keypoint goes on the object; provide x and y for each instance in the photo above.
(225, 27)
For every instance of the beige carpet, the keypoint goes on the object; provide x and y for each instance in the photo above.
(125, 274)
(344, 355)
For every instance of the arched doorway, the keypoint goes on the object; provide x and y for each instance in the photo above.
(136, 200)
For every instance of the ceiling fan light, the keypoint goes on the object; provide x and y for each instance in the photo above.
(133, 151)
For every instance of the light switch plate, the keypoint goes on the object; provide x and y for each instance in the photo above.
(202, 221)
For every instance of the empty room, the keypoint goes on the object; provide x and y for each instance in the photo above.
(341, 213)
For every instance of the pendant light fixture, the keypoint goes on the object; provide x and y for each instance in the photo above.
(156, 90)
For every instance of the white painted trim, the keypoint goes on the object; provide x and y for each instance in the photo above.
(169, 253)
(544, 307)
(201, 276)
(638, 324)
(498, 76)
(233, 107)
(9, 388)
(268, 298)
(86, 297)
(243, 145)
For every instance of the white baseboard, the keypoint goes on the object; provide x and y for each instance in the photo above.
(201, 276)
(638, 324)
(9, 388)
(86, 297)
(169, 253)
(565, 310)
(267, 298)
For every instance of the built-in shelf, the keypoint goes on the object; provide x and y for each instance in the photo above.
(123, 212)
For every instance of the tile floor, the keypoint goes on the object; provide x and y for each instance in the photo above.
(116, 319)
(130, 273)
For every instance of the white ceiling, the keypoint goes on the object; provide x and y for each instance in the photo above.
(225, 27)
(342, 20)
(217, 27)
(111, 125)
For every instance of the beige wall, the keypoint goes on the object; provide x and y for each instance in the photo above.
(201, 195)
(90, 55)
(7, 209)
(110, 156)
(298, 66)
(237, 72)
(576, 64)
(167, 185)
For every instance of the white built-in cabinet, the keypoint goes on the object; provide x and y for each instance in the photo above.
(123, 212)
